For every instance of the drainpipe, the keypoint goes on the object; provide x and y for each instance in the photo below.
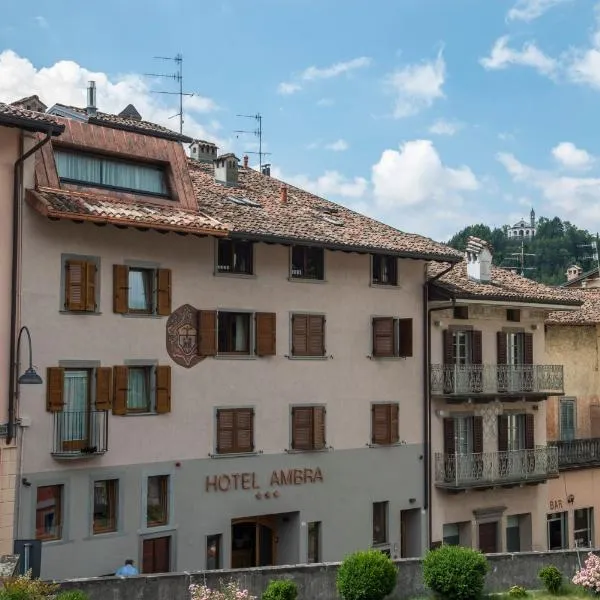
(427, 396)
(17, 181)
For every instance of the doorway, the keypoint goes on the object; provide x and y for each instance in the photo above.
(488, 537)
(156, 555)
(410, 533)
(253, 542)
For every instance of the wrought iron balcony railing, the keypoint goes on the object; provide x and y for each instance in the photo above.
(80, 434)
(462, 471)
(466, 380)
(579, 453)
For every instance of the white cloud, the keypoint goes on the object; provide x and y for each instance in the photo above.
(65, 82)
(417, 86)
(529, 10)
(331, 183)
(584, 64)
(286, 88)
(325, 102)
(42, 22)
(443, 127)
(338, 146)
(502, 56)
(569, 156)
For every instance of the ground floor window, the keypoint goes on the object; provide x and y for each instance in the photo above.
(314, 542)
(558, 531)
(513, 534)
(583, 527)
(156, 555)
(488, 537)
(451, 534)
(213, 552)
(49, 512)
(380, 523)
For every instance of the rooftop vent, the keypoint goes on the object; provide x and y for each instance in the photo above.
(130, 112)
(91, 99)
(226, 169)
(244, 202)
(479, 260)
(203, 151)
(573, 272)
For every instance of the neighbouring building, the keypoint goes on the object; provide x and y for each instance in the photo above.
(523, 230)
(573, 503)
(490, 379)
(233, 367)
(576, 278)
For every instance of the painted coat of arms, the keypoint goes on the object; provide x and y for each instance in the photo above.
(182, 336)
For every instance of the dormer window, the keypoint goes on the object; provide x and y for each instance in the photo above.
(99, 171)
(384, 270)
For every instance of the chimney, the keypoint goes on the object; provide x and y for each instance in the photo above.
(479, 260)
(226, 169)
(91, 99)
(203, 151)
(283, 193)
(245, 161)
(266, 170)
(573, 272)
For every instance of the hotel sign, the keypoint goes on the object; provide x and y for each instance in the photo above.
(226, 482)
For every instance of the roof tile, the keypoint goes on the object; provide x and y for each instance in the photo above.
(588, 314)
(14, 112)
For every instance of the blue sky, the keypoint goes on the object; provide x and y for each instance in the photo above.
(427, 114)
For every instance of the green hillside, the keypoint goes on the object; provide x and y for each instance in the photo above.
(556, 245)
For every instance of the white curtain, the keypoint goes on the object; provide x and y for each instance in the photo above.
(139, 290)
(78, 167)
(241, 333)
(137, 397)
(76, 405)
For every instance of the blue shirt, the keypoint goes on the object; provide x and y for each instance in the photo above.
(127, 571)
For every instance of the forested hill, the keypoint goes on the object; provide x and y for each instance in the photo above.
(556, 245)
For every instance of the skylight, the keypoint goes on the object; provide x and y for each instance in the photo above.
(332, 220)
(243, 201)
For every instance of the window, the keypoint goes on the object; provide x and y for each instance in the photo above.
(558, 532)
(99, 171)
(308, 427)
(235, 430)
(392, 337)
(568, 423)
(513, 534)
(105, 505)
(384, 424)
(139, 390)
(380, 523)
(80, 280)
(451, 533)
(308, 263)
(314, 542)
(461, 312)
(49, 512)
(308, 335)
(235, 257)
(213, 552)
(233, 333)
(142, 389)
(157, 501)
(384, 270)
(138, 290)
(513, 315)
(583, 532)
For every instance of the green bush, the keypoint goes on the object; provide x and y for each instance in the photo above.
(455, 573)
(366, 575)
(552, 578)
(72, 595)
(280, 589)
(517, 591)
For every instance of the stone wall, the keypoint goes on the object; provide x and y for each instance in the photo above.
(317, 582)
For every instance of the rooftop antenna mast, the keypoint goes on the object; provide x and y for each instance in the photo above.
(595, 255)
(519, 258)
(258, 133)
(178, 77)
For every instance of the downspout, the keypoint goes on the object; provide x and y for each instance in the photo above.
(427, 396)
(17, 181)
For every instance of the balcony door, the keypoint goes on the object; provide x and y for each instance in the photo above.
(463, 445)
(462, 349)
(76, 417)
(515, 445)
(515, 360)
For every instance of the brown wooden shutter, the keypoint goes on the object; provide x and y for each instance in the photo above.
(104, 388)
(502, 354)
(380, 424)
(384, 336)
(120, 289)
(476, 348)
(244, 430)
(595, 421)
(163, 292)
(266, 334)
(394, 423)
(528, 348)
(90, 287)
(75, 285)
(477, 435)
(529, 432)
(163, 389)
(405, 334)
(502, 433)
(449, 442)
(302, 427)
(121, 387)
(225, 431)
(299, 335)
(55, 385)
(448, 347)
(316, 335)
(319, 437)
(207, 332)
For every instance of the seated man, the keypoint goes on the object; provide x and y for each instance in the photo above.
(127, 570)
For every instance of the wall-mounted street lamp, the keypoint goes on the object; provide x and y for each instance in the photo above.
(30, 376)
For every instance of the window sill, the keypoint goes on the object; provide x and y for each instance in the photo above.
(158, 529)
(142, 315)
(291, 357)
(321, 451)
(104, 535)
(234, 454)
(236, 275)
(384, 358)
(235, 357)
(385, 286)
(140, 414)
(394, 445)
(79, 312)
(306, 280)
(60, 542)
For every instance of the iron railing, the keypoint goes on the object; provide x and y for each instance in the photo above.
(466, 380)
(579, 453)
(462, 471)
(79, 434)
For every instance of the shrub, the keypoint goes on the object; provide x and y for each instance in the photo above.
(72, 595)
(517, 591)
(455, 573)
(226, 591)
(23, 587)
(366, 575)
(552, 578)
(589, 576)
(280, 589)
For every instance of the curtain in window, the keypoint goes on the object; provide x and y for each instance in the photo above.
(76, 405)
(567, 420)
(78, 167)
(464, 435)
(138, 394)
(134, 177)
(241, 333)
(140, 290)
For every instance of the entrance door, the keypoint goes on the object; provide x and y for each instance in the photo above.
(253, 542)
(488, 537)
(156, 555)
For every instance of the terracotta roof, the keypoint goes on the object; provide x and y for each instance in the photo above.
(28, 100)
(16, 116)
(304, 218)
(504, 286)
(588, 314)
(94, 207)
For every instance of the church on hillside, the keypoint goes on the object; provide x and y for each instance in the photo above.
(522, 229)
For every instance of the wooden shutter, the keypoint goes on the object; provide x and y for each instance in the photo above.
(121, 386)
(380, 424)
(527, 348)
(75, 285)
(300, 335)
(244, 430)
(55, 385)
(319, 439)
(405, 335)
(207, 332)
(103, 388)
(476, 348)
(384, 336)
(448, 347)
(394, 423)
(595, 421)
(302, 428)
(449, 442)
(501, 348)
(163, 292)
(316, 335)
(477, 435)
(266, 334)
(163, 389)
(120, 289)
(90, 287)
(225, 431)
(502, 433)
(529, 432)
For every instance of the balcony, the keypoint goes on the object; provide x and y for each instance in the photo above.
(490, 381)
(495, 469)
(578, 454)
(80, 434)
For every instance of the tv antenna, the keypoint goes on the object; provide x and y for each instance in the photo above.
(520, 258)
(595, 256)
(178, 77)
(258, 133)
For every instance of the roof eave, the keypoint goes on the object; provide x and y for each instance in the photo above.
(32, 125)
(175, 137)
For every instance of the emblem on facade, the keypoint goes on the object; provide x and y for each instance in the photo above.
(182, 336)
